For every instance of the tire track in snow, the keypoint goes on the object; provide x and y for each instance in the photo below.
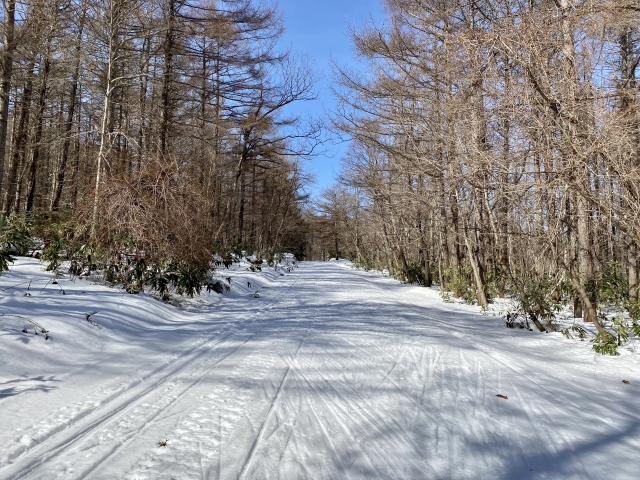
(258, 439)
(419, 405)
(537, 425)
(189, 430)
(85, 426)
(470, 341)
(519, 373)
(455, 437)
(295, 371)
(370, 416)
(337, 419)
(77, 437)
(543, 431)
(461, 333)
(473, 343)
(70, 422)
(371, 412)
(201, 377)
(323, 429)
(149, 420)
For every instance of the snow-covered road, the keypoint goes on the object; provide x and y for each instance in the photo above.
(331, 373)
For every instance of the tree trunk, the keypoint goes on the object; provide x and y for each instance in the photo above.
(585, 265)
(586, 301)
(37, 141)
(241, 236)
(68, 124)
(634, 288)
(105, 137)
(68, 127)
(20, 140)
(480, 286)
(167, 79)
(5, 81)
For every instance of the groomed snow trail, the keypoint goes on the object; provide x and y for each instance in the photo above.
(338, 373)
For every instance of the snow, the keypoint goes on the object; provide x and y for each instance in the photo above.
(331, 373)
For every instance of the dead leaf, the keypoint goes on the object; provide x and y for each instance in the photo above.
(163, 443)
(503, 396)
(626, 381)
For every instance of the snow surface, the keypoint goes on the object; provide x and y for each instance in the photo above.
(330, 373)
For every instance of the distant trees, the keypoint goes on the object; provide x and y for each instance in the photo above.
(154, 121)
(494, 141)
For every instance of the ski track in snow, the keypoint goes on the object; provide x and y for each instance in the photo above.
(333, 373)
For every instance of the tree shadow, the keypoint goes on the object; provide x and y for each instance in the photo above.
(22, 385)
(547, 465)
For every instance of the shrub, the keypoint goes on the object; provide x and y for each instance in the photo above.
(515, 319)
(605, 343)
(609, 285)
(617, 333)
(535, 300)
(577, 329)
(164, 279)
(226, 255)
(15, 239)
(367, 264)
(497, 282)
(57, 237)
(633, 307)
(272, 257)
(415, 273)
(151, 232)
(460, 282)
(86, 259)
(154, 215)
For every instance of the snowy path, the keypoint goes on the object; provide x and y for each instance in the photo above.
(336, 373)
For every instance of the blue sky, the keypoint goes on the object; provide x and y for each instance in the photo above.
(319, 30)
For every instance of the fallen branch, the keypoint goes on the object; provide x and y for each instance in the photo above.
(17, 285)
(88, 317)
(54, 281)
(35, 324)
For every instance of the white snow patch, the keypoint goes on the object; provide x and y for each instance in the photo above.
(330, 373)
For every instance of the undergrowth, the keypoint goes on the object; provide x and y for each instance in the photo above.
(618, 331)
(119, 260)
(15, 239)
(538, 300)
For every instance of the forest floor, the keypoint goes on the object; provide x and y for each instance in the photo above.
(331, 373)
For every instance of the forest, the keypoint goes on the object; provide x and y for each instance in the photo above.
(145, 136)
(494, 145)
(187, 293)
(495, 151)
